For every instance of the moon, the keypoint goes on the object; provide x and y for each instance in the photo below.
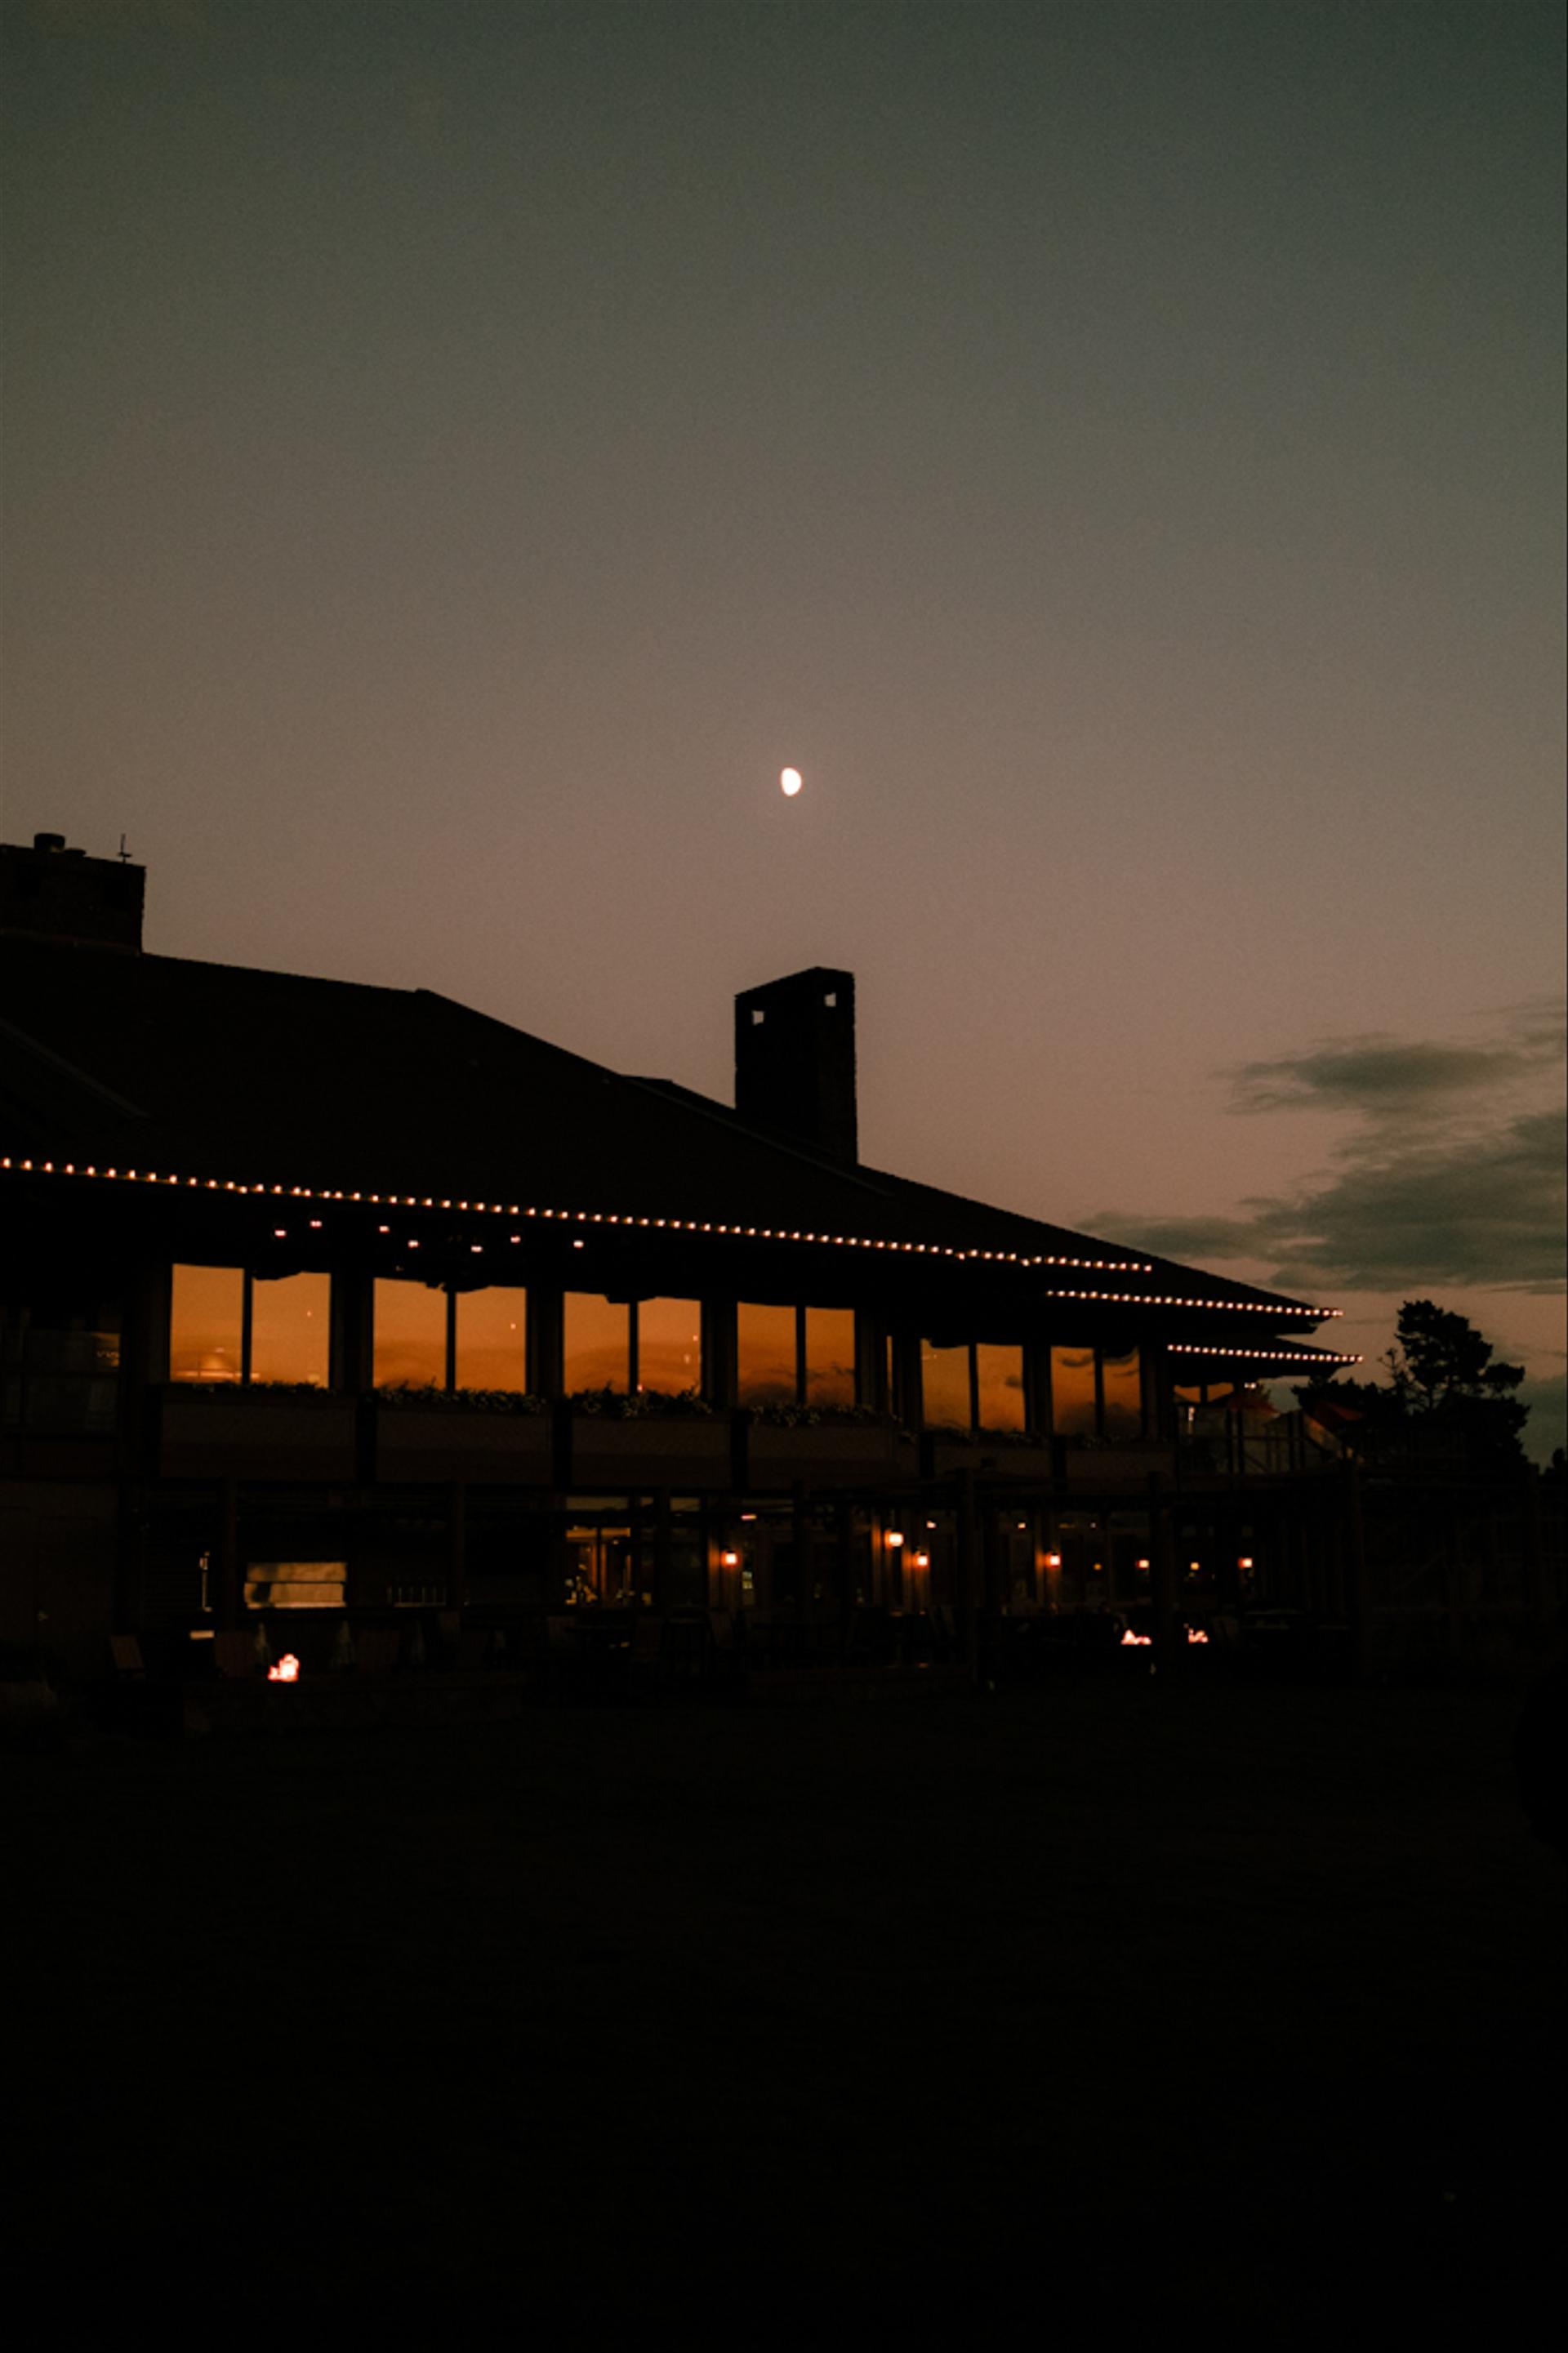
(790, 781)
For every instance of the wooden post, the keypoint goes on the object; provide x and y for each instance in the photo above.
(662, 1549)
(457, 1546)
(1356, 1615)
(800, 1518)
(970, 1571)
(227, 1600)
(1170, 1637)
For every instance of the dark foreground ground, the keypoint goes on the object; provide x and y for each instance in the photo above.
(983, 2019)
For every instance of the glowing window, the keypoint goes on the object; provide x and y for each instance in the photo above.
(999, 1378)
(766, 1371)
(596, 1343)
(1073, 1411)
(492, 1350)
(830, 1355)
(206, 1324)
(669, 1344)
(944, 1386)
(296, 1584)
(1124, 1393)
(290, 1329)
(410, 1336)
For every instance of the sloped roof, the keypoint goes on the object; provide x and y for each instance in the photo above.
(271, 1078)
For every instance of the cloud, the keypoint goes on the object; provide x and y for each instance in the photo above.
(1445, 1178)
(1388, 1079)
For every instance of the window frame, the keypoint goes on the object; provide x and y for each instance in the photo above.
(247, 1281)
(801, 1309)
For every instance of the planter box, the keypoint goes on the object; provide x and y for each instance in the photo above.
(827, 1455)
(1117, 1466)
(656, 1453)
(248, 1435)
(437, 1445)
(991, 1460)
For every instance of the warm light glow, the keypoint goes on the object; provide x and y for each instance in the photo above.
(1245, 1561)
(1129, 1640)
(895, 1538)
(1053, 1560)
(1196, 1634)
(287, 1670)
(921, 1559)
(790, 782)
(729, 1559)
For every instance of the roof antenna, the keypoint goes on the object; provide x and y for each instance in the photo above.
(124, 853)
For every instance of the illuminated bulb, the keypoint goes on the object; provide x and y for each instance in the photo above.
(894, 1538)
(729, 1559)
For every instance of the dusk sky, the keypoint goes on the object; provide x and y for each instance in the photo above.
(457, 454)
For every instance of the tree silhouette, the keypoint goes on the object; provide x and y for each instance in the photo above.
(1445, 1395)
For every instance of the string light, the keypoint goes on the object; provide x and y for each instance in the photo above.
(599, 1216)
(959, 1255)
(1290, 1310)
(1275, 1355)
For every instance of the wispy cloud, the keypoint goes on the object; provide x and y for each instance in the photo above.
(1448, 1175)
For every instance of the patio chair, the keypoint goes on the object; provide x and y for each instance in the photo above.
(376, 1649)
(235, 1653)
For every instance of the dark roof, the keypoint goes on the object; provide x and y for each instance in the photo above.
(219, 1071)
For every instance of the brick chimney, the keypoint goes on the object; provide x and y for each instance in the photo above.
(794, 1059)
(56, 893)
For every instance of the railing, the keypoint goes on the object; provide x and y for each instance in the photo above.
(60, 1384)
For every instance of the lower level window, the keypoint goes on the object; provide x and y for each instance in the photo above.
(296, 1584)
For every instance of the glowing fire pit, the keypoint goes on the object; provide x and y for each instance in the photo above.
(287, 1670)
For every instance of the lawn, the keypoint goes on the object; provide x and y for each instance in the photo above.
(1219, 2006)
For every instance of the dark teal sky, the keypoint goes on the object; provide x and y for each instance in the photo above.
(454, 455)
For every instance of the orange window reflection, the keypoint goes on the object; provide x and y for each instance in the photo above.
(999, 1374)
(669, 1344)
(410, 1335)
(1123, 1392)
(1073, 1392)
(596, 1347)
(206, 1323)
(830, 1355)
(492, 1339)
(290, 1329)
(765, 1354)
(944, 1386)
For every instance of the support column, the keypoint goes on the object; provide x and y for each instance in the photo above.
(457, 1546)
(228, 1599)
